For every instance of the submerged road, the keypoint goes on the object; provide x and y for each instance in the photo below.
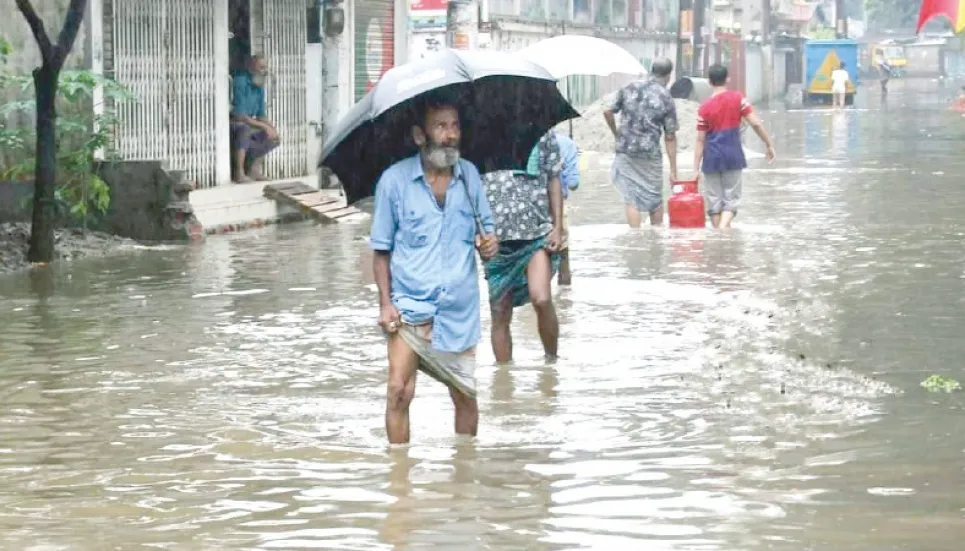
(751, 390)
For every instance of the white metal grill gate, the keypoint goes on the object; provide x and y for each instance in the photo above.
(163, 52)
(278, 32)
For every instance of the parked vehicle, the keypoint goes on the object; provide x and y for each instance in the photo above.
(894, 56)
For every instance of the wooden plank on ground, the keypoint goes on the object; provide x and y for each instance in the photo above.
(328, 207)
(338, 213)
(272, 191)
(319, 205)
(314, 198)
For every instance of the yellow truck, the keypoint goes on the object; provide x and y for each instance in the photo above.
(894, 55)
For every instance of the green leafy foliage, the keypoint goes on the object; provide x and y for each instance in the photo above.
(82, 137)
(938, 383)
(822, 33)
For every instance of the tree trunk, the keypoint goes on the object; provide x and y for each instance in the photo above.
(45, 87)
(45, 181)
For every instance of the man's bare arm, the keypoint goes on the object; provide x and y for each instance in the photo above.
(253, 122)
(670, 141)
(699, 150)
(610, 121)
(758, 125)
(382, 274)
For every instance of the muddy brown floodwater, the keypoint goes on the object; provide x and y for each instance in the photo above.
(757, 390)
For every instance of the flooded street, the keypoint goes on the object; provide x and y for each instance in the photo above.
(751, 390)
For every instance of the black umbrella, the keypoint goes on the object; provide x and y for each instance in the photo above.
(505, 105)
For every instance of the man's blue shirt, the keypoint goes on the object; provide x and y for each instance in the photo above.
(247, 100)
(570, 177)
(432, 248)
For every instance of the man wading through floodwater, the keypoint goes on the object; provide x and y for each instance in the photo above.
(528, 206)
(646, 111)
(425, 241)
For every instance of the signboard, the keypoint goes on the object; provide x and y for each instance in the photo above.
(463, 25)
(427, 14)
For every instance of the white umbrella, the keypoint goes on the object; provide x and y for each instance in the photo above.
(573, 54)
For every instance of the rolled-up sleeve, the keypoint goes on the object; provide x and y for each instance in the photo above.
(384, 221)
(670, 124)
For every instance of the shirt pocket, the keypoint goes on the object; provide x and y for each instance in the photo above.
(464, 224)
(416, 229)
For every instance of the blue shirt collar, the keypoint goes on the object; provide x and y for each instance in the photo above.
(417, 171)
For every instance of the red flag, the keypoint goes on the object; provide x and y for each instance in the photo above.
(954, 10)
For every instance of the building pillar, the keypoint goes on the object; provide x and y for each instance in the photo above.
(222, 84)
(94, 48)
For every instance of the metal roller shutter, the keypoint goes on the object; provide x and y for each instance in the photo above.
(374, 42)
(278, 32)
(163, 52)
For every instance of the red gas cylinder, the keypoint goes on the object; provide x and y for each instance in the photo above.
(686, 205)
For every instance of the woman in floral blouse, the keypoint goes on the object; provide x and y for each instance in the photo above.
(528, 208)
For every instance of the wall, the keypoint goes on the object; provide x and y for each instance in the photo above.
(780, 73)
(923, 59)
(765, 72)
(26, 55)
(754, 83)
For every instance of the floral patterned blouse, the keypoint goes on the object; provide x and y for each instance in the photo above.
(520, 203)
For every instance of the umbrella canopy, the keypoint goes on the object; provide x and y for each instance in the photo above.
(505, 105)
(573, 54)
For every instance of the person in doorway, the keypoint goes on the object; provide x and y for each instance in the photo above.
(839, 86)
(252, 135)
(570, 181)
(528, 206)
(646, 111)
(719, 152)
(425, 239)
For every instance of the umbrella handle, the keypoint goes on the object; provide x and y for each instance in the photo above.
(475, 213)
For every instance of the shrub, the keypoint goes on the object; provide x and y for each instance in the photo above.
(82, 137)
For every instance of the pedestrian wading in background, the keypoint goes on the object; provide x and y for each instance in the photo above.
(570, 181)
(46, 79)
(425, 242)
(719, 146)
(646, 111)
(839, 85)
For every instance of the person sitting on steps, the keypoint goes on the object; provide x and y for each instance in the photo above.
(252, 135)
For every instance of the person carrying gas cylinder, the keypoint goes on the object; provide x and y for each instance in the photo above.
(528, 209)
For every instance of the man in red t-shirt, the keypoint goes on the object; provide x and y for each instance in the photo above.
(719, 146)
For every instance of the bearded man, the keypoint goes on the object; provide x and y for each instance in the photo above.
(425, 240)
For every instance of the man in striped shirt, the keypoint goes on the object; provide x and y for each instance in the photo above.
(719, 146)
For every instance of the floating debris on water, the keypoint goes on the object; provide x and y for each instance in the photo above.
(938, 383)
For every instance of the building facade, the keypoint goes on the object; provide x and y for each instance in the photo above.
(645, 28)
(177, 56)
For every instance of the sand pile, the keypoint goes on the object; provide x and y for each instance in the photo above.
(591, 133)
